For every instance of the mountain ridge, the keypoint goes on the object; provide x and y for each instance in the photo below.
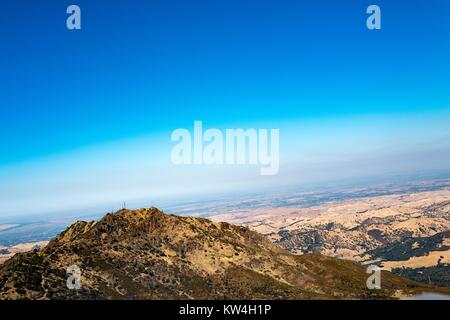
(147, 254)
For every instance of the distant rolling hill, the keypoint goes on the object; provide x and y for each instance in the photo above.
(407, 233)
(424, 259)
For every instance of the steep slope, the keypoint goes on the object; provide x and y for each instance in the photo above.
(146, 254)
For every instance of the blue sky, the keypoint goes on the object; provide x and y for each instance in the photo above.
(87, 114)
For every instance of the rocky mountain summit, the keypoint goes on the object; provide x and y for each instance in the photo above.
(147, 254)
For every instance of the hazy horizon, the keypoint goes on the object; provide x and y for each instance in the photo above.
(85, 127)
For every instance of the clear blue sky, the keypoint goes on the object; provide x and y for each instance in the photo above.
(143, 68)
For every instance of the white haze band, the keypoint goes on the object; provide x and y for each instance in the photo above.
(235, 147)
